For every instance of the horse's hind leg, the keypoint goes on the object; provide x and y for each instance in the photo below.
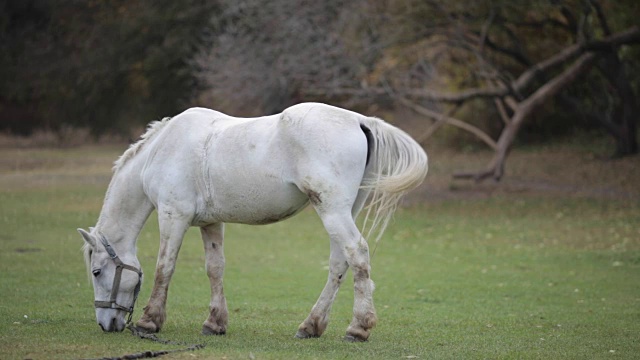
(317, 321)
(212, 237)
(347, 245)
(364, 314)
(363, 194)
(356, 251)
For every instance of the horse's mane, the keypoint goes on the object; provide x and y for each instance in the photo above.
(153, 128)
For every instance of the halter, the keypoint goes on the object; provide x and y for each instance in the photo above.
(111, 303)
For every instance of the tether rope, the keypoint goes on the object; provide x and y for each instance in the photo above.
(150, 353)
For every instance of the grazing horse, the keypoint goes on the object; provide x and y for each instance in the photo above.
(204, 168)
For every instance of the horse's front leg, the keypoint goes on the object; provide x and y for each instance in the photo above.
(316, 323)
(172, 230)
(212, 237)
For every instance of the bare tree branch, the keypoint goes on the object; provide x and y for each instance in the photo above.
(437, 124)
(502, 110)
(495, 169)
(629, 36)
(443, 118)
(601, 18)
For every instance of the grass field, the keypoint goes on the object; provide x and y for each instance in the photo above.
(543, 266)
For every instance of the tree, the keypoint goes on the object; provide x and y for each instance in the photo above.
(516, 57)
(259, 56)
(106, 65)
(580, 57)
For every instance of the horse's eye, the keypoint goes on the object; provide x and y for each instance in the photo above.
(96, 272)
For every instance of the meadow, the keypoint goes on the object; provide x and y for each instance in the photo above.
(542, 266)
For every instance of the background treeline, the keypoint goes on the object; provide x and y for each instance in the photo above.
(106, 65)
(110, 65)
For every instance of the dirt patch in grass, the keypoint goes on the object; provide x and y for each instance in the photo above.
(547, 171)
(66, 137)
(44, 167)
(551, 170)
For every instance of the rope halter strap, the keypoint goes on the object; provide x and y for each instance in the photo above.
(112, 303)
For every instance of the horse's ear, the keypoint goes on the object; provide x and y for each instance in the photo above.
(87, 237)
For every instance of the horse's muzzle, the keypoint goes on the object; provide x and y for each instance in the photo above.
(114, 324)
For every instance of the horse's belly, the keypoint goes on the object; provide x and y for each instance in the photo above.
(260, 203)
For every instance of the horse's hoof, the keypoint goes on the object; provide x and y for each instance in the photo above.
(209, 331)
(353, 338)
(146, 327)
(301, 334)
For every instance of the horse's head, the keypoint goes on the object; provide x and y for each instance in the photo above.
(116, 280)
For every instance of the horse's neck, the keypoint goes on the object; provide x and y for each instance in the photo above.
(125, 209)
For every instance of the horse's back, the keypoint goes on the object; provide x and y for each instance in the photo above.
(256, 170)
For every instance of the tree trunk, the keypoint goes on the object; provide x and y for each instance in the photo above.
(495, 170)
(624, 128)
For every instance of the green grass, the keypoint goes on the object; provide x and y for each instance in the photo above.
(507, 277)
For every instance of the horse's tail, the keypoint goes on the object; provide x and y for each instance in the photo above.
(396, 164)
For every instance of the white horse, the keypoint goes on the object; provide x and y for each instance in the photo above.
(204, 168)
